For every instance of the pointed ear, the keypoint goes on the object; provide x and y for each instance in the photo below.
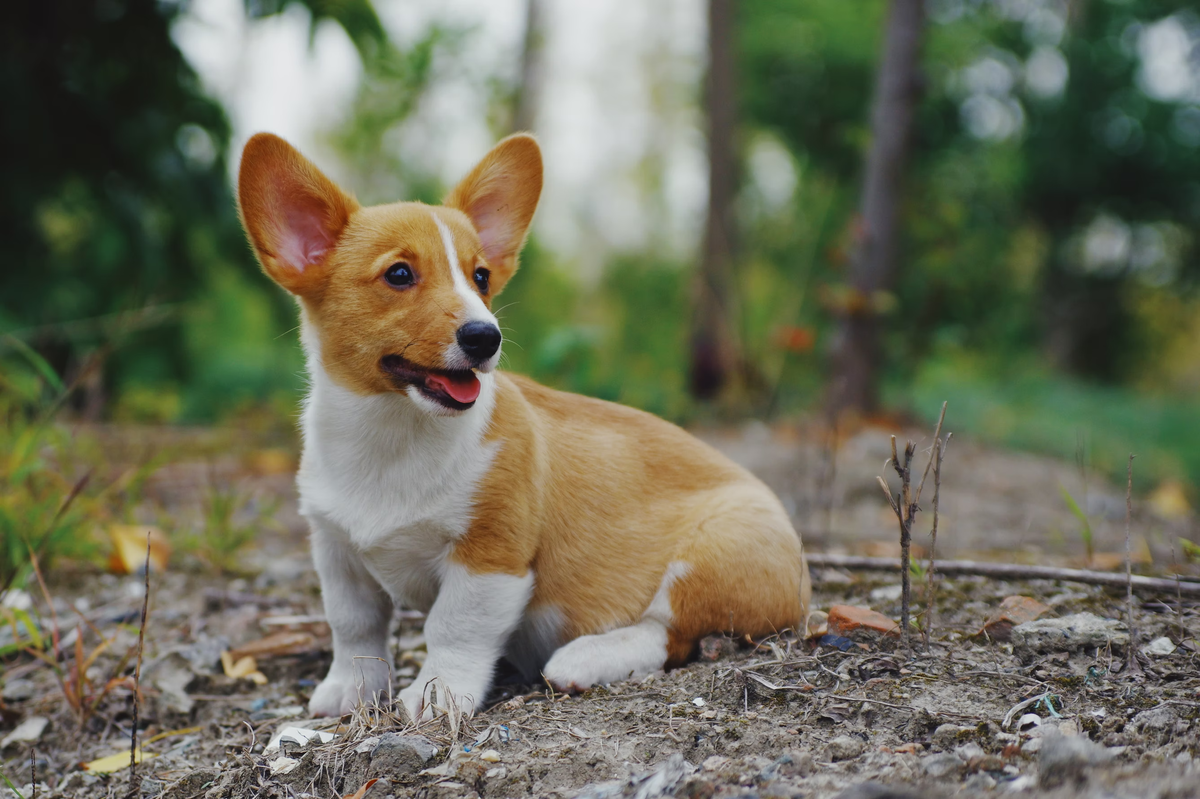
(500, 196)
(292, 213)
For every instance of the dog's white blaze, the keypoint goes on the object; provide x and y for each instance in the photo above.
(476, 311)
(466, 632)
(620, 654)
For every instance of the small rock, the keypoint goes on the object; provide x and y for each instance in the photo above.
(400, 754)
(851, 621)
(796, 763)
(1156, 725)
(970, 752)
(876, 790)
(1159, 647)
(944, 764)
(845, 747)
(283, 765)
(715, 647)
(1078, 631)
(978, 783)
(1013, 610)
(1064, 757)
(947, 736)
(489, 756)
(29, 730)
(18, 690)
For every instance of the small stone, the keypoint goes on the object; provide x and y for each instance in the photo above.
(947, 736)
(978, 783)
(1078, 631)
(27, 731)
(18, 690)
(1159, 647)
(715, 647)
(944, 764)
(400, 754)
(796, 763)
(970, 752)
(1064, 757)
(845, 747)
(886, 593)
(876, 790)
(1013, 610)
(489, 756)
(851, 621)
(283, 765)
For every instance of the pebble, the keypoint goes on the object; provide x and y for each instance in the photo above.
(943, 764)
(845, 747)
(1159, 647)
(1064, 757)
(1013, 610)
(30, 729)
(850, 620)
(1069, 633)
(947, 736)
(18, 690)
(401, 754)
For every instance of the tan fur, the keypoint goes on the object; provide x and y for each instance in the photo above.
(597, 499)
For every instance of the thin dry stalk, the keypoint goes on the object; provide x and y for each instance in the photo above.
(937, 436)
(1131, 654)
(939, 447)
(904, 507)
(137, 678)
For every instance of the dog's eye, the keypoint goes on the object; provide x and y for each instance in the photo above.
(399, 275)
(481, 279)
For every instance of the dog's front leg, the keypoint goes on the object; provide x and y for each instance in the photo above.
(465, 634)
(358, 611)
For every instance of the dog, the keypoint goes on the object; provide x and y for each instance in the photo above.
(582, 540)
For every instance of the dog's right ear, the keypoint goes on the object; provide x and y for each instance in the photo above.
(292, 213)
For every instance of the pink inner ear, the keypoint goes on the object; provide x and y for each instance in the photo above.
(304, 239)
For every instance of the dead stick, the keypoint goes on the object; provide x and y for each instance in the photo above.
(1012, 571)
(940, 451)
(137, 678)
(1132, 651)
(937, 436)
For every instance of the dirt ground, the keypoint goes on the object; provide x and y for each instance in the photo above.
(962, 715)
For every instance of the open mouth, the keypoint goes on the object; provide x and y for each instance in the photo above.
(456, 389)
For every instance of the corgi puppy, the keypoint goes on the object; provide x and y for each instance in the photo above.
(582, 540)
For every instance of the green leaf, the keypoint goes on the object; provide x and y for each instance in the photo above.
(39, 363)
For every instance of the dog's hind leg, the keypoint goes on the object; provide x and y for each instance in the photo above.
(633, 651)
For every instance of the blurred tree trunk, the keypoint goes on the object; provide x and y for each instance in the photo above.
(529, 82)
(855, 385)
(713, 350)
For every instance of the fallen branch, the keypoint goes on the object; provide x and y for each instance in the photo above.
(1012, 571)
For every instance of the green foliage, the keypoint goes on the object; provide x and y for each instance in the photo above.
(1085, 525)
(231, 521)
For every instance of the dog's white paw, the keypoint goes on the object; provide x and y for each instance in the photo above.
(424, 696)
(338, 694)
(619, 654)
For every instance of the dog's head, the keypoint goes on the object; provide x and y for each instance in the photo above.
(398, 295)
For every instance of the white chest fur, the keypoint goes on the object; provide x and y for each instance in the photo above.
(396, 483)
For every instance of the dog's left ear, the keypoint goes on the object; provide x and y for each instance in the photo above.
(500, 196)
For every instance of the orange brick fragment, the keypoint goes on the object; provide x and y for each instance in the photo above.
(1013, 610)
(847, 620)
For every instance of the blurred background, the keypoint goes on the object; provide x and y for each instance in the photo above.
(772, 210)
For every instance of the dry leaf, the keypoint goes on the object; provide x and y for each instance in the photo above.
(1170, 501)
(107, 765)
(129, 548)
(284, 642)
(244, 667)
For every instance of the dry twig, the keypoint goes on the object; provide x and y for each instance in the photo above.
(939, 448)
(1012, 571)
(1131, 654)
(137, 679)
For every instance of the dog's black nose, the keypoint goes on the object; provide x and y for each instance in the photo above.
(479, 340)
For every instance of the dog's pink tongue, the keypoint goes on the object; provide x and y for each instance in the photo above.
(464, 388)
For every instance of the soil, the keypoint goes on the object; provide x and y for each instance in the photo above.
(781, 717)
